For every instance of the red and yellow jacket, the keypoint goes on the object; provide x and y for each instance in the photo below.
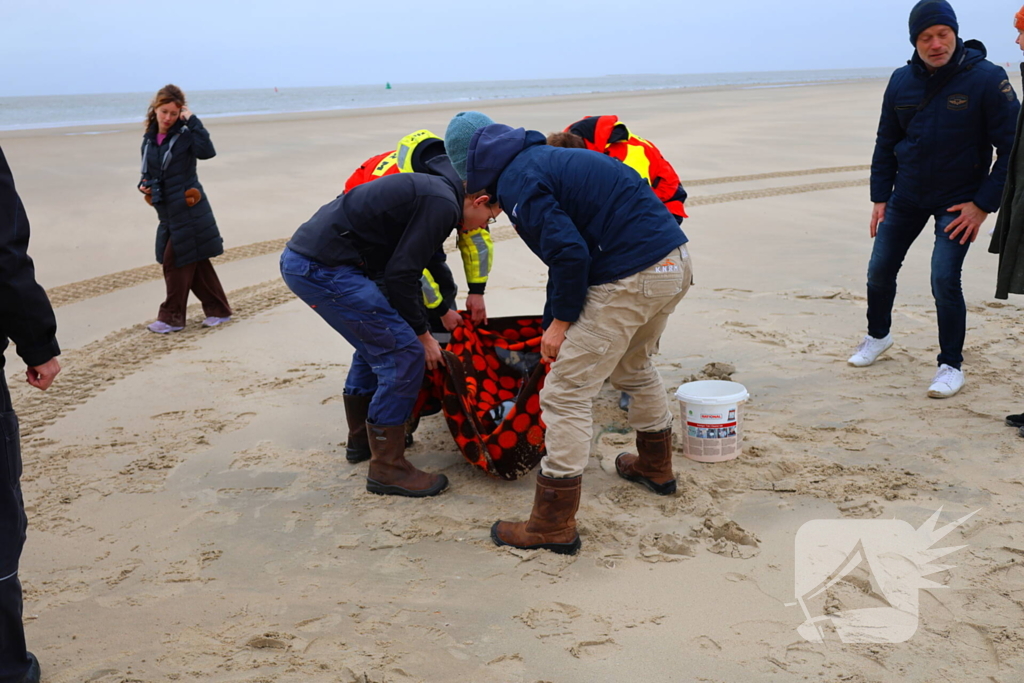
(475, 246)
(608, 135)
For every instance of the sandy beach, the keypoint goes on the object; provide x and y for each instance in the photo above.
(192, 516)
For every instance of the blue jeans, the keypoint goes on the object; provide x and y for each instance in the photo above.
(903, 223)
(388, 363)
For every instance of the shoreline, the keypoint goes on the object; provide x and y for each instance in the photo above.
(344, 112)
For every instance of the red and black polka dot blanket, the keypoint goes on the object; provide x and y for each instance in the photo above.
(490, 394)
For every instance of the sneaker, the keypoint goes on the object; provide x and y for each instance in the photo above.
(1016, 421)
(214, 321)
(869, 351)
(948, 381)
(161, 327)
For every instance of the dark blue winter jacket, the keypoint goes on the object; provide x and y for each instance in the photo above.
(942, 155)
(590, 218)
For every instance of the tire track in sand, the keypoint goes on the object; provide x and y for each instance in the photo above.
(105, 284)
(99, 365)
(774, 192)
(74, 292)
(776, 174)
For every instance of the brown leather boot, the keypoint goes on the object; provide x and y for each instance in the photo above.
(552, 524)
(653, 466)
(357, 448)
(390, 473)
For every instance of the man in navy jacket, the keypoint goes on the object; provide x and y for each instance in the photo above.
(386, 231)
(942, 114)
(617, 268)
(27, 318)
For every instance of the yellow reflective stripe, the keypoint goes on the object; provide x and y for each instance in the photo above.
(385, 165)
(477, 249)
(406, 146)
(431, 291)
(636, 159)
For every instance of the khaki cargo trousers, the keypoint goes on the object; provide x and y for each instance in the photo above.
(614, 338)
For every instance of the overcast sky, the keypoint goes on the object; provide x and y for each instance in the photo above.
(61, 47)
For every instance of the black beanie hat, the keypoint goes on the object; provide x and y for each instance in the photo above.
(928, 13)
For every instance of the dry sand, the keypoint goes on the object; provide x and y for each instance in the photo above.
(193, 518)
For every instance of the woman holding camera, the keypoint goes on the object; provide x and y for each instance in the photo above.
(187, 237)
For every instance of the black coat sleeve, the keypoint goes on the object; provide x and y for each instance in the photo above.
(202, 145)
(26, 316)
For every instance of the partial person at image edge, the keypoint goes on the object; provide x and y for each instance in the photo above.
(26, 318)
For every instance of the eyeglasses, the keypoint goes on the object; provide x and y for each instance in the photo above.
(493, 219)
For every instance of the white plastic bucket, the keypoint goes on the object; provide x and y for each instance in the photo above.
(712, 419)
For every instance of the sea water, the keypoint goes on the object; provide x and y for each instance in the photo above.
(50, 111)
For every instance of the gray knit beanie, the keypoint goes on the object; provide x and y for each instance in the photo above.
(457, 137)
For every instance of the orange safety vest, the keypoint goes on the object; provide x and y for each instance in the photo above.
(608, 135)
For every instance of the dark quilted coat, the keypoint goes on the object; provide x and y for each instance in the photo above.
(192, 230)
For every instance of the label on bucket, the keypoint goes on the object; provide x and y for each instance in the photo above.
(711, 422)
(713, 433)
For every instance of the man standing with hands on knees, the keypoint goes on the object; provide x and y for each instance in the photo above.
(941, 116)
(617, 267)
(26, 317)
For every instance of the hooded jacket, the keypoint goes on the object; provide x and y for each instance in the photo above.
(942, 155)
(191, 229)
(415, 152)
(25, 312)
(589, 218)
(391, 228)
(608, 135)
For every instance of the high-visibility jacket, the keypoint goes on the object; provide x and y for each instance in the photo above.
(476, 246)
(608, 135)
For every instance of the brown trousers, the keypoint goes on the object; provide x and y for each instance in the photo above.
(201, 279)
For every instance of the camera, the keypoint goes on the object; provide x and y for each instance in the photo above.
(155, 193)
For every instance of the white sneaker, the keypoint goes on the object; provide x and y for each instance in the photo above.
(948, 381)
(214, 321)
(869, 351)
(161, 327)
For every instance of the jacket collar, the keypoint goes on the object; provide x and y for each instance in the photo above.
(921, 69)
(441, 166)
(151, 132)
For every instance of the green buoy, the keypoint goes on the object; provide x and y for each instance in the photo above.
(388, 86)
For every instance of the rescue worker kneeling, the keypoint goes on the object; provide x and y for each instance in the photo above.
(385, 230)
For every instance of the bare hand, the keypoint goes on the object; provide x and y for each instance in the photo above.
(551, 341)
(451, 320)
(185, 113)
(477, 308)
(145, 189)
(432, 351)
(42, 376)
(968, 223)
(877, 216)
